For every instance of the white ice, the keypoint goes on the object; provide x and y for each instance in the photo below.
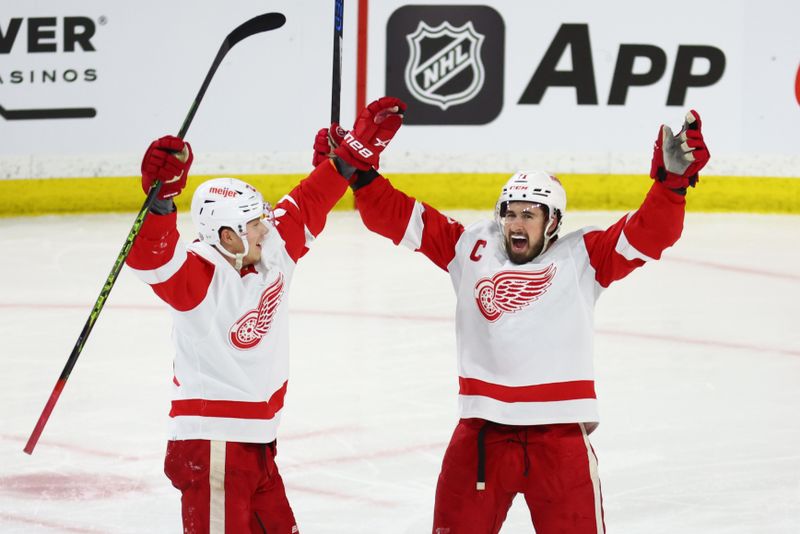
(697, 358)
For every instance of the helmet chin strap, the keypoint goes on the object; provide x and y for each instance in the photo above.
(238, 257)
(549, 236)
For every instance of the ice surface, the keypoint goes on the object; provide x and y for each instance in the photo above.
(697, 357)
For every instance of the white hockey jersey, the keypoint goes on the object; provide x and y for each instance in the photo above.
(525, 332)
(230, 329)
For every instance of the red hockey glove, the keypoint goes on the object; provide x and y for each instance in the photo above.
(375, 126)
(326, 141)
(678, 158)
(167, 160)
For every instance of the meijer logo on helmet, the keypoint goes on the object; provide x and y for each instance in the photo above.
(222, 191)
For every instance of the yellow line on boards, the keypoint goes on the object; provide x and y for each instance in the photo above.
(443, 191)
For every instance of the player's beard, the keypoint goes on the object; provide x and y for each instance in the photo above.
(524, 255)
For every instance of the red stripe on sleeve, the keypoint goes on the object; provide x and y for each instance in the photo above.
(608, 264)
(440, 235)
(230, 409)
(154, 247)
(384, 209)
(155, 244)
(188, 287)
(388, 211)
(658, 223)
(655, 226)
(315, 196)
(556, 391)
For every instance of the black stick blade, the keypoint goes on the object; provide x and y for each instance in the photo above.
(261, 23)
(258, 24)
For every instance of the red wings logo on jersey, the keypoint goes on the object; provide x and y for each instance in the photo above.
(510, 291)
(248, 331)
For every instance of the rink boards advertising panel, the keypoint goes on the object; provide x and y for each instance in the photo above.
(583, 86)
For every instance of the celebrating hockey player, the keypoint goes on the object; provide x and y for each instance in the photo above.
(228, 296)
(524, 327)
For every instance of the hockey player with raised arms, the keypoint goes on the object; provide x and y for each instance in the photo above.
(228, 296)
(524, 327)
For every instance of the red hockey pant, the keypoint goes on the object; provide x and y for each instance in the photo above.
(229, 488)
(553, 466)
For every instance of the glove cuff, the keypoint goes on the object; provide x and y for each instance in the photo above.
(363, 178)
(658, 173)
(162, 206)
(674, 182)
(344, 168)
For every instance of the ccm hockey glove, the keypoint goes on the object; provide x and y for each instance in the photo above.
(678, 158)
(167, 160)
(375, 126)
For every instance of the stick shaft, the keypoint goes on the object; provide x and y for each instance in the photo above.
(336, 76)
(93, 315)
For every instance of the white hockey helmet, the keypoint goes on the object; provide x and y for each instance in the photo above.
(226, 203)
(540, 188)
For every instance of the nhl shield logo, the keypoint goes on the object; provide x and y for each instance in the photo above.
(444, 65)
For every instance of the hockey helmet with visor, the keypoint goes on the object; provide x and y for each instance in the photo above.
(540, 188)
(227, 203)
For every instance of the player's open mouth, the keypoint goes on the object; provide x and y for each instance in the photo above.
(519, 243)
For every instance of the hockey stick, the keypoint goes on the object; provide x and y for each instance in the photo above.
(336, 78)
(261, 23)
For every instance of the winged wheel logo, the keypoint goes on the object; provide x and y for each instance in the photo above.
(511, 291)
(248, 331)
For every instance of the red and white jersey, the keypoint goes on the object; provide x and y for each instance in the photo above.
(230, 329)
(525, 332)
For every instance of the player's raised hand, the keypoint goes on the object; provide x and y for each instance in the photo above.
(167, 160)
(677, 158)
(375, 126)
(326, 141)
